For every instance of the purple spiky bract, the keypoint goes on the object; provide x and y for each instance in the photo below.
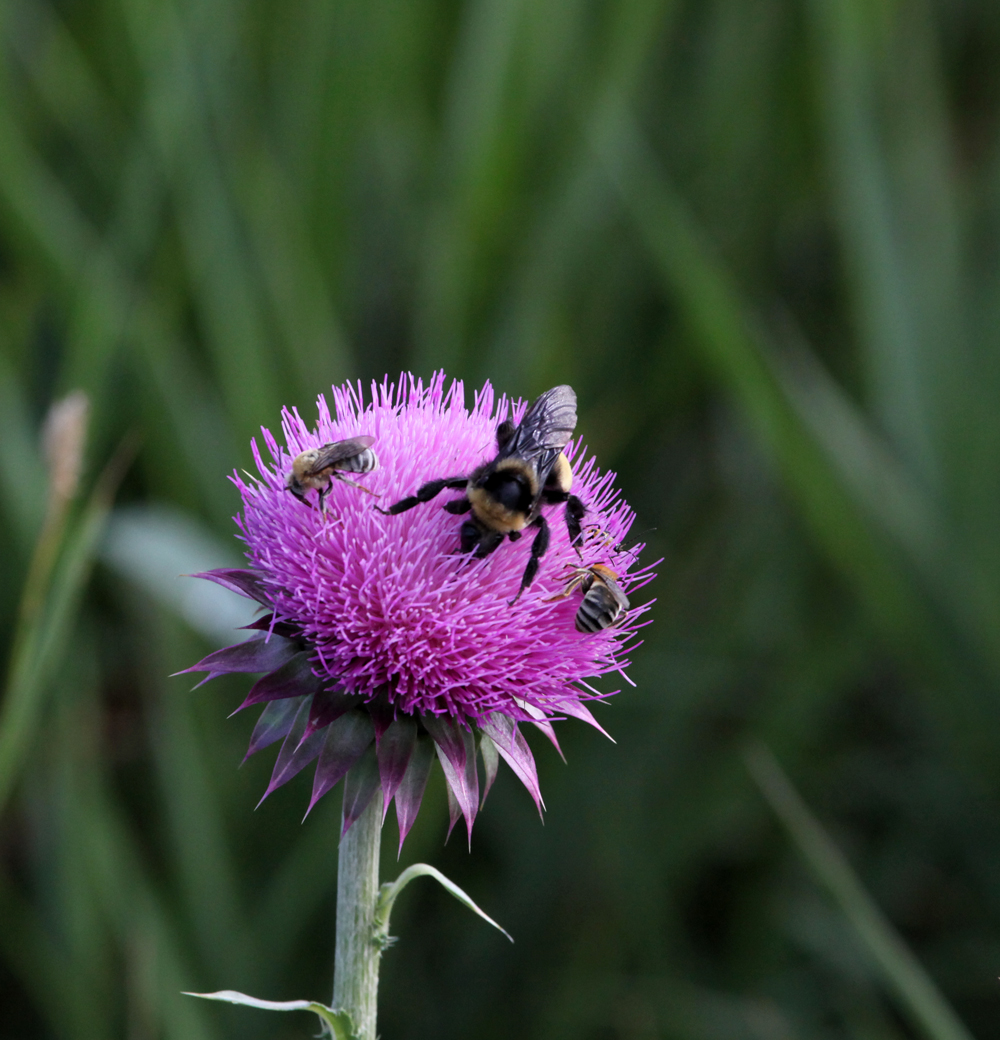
(382, 645)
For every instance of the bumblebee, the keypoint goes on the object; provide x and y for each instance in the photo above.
(505, 495)
(318, 467)
(603, 599)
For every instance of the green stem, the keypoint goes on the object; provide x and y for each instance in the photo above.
(355, 972)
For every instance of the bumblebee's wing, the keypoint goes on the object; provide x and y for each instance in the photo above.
(337, 451)
(545, 429)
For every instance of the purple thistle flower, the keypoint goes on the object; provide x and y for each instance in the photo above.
(381, 644)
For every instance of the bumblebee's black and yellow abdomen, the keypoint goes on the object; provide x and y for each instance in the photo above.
(560, 477)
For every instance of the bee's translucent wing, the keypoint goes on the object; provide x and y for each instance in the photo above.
(617, 592)
(337, 451)
(545, 429)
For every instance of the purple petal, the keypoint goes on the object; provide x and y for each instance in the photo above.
(246, 583)
(512, 746)
(454, 811)
(361, 784)
(295, 753)
(548, 729)
(578, 710)
(274, 723)
(293, 679)
(491, 762)
(394, 751)
(381, 711)
(410, 792)
(447, 734)
(500, 729)
(463, 780)
(343, 744)
(266, 623)
(255, 655)
(328, 706)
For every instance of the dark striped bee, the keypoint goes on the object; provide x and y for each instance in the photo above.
(318, 467)
(604, 601)
(506, 494)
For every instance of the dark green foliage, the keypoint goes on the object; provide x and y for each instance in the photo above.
(760, 238)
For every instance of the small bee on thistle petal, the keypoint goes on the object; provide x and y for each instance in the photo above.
(317, 468)
(604, 601)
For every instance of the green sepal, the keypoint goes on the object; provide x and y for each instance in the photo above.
(391, 889)
(336, 1022)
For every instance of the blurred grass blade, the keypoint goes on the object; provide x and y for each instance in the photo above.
(199, 841)
(477, 125)
(64, 438)
(878, 481)
(228, 296)
(313, 337)
(43, 633)
(918, 997)
(62, 233)
(909, 582)
(132, 902)
(39, 202)
(732, 347)
(867, 465)
(64, 77)
(59, 992)
(893, 179)
(22, 500)
(295, 892)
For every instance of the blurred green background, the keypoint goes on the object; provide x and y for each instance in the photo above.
(761, 238)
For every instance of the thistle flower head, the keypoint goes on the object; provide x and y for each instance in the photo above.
(383, 645)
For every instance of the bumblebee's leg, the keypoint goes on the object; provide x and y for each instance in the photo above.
(575, 512)
(468, 536)
(425, 494)
(458, 506)
(321, 498)
(553, 496)
(473, 537)
(484, 542)
(538, 547)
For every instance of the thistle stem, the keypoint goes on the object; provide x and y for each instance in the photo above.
(356, 961)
